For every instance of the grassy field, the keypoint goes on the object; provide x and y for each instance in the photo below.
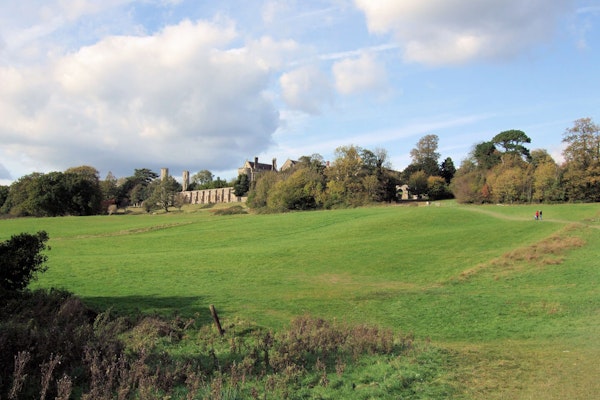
(517, 301)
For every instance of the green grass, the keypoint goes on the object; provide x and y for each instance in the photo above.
(447, 273)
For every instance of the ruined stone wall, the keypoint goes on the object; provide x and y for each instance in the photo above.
(212, 196)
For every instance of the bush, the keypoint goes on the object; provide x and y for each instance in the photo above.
(42, 328)
(55, 347)
(230, 211)
(21, 259)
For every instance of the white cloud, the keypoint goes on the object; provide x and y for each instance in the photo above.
(25, 24)
(583, 25)
(438, 32)
(273, 54)
(356, 75)
(306, 89)
(272, 9)
(181, 98)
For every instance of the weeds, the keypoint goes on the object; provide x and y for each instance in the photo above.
(112, 358)
(21, 360)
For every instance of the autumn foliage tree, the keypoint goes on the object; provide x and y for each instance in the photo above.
(301, 190)
(425, 155)
(504, 170)
(356, 177)
(582, 161)
(496, 171)
(346, 185)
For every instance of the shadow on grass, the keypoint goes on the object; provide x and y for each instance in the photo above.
(188, 307)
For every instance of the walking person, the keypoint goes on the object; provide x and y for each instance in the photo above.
(537, 215)
(540, 214)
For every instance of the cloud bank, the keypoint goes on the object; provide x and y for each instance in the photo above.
(441, 32)
(177, 98)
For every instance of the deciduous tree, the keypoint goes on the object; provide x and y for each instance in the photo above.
(259, 193)
(301, 190)
(163, 192)
(583, 143)
(582, 161)
(469, 184)
(314, 162)
(546, 182)
(506, 186)
(425, 155)
(84, 191)
(418, 183)
(345, 177)
(203, 179)
(3, 194)
(437, 188)
(108, 186)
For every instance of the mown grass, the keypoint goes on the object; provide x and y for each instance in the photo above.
(517, 300)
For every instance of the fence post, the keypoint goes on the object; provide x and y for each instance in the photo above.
(215, 317)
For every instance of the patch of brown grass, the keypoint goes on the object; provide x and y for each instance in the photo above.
(549, 251)
(543, 252)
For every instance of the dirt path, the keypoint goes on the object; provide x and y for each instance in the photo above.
(498, 215)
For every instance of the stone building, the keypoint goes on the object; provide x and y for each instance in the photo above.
(288, 164)
(227, 195)
(212, 196)
(253, 169)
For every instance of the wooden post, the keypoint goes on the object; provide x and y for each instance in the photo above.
(215, 317)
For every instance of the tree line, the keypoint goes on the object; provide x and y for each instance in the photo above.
(80, 191)
(501, 170)
(356, 177)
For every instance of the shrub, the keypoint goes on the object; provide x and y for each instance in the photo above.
(230, 210)
(36, 328)
(58, 348)
(21, 259)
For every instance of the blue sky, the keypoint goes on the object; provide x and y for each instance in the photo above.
(192, 84)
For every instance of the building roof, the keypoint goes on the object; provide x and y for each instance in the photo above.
(260, 166)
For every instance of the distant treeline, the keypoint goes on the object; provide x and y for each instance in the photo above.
(504, 171)
(501, 170)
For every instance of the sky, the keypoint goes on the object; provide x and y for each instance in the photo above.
(206, 85)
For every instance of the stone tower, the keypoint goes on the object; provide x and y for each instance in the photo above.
(164, 173)
(186, 180)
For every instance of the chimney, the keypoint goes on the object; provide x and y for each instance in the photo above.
(274, 164)
(255, 163)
